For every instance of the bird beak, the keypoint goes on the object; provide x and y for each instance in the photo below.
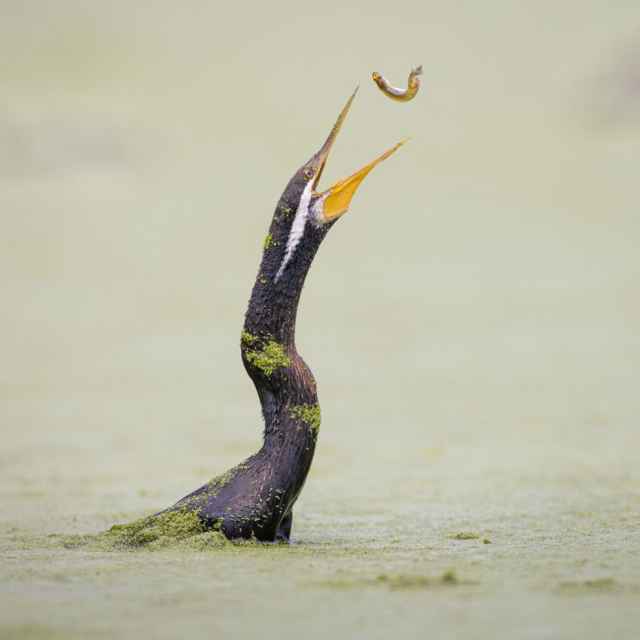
(335, 201)
(323, 154)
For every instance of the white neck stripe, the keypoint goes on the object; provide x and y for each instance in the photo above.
(297, 228)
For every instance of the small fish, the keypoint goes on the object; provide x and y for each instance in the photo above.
(402, 95)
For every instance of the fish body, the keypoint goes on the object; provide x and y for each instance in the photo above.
(401, 95)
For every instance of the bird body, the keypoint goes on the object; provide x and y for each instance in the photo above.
(255, 498)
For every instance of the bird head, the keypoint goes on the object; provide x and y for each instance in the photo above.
(310, 212)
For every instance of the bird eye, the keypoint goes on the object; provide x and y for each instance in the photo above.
(308, 173)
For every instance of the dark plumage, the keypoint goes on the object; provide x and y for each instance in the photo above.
(255, 498)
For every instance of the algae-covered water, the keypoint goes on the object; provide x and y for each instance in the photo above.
(472, 322)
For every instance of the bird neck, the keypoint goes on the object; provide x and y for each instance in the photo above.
(284, 383)
(273, 306)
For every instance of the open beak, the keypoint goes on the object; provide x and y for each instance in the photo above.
(334, 202)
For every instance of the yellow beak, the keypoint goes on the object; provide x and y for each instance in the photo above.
(335, 201)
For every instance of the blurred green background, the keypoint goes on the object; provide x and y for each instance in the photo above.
(472, 322)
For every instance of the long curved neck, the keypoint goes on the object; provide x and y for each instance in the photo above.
(285, 385)
(273, 306)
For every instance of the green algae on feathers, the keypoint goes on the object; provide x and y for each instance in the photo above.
(247, 338)
(268, 241)
(269, 357)
(182, 530)
(309, 414)
(159, 530)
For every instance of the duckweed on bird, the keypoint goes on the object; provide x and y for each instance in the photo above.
(181, 529)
